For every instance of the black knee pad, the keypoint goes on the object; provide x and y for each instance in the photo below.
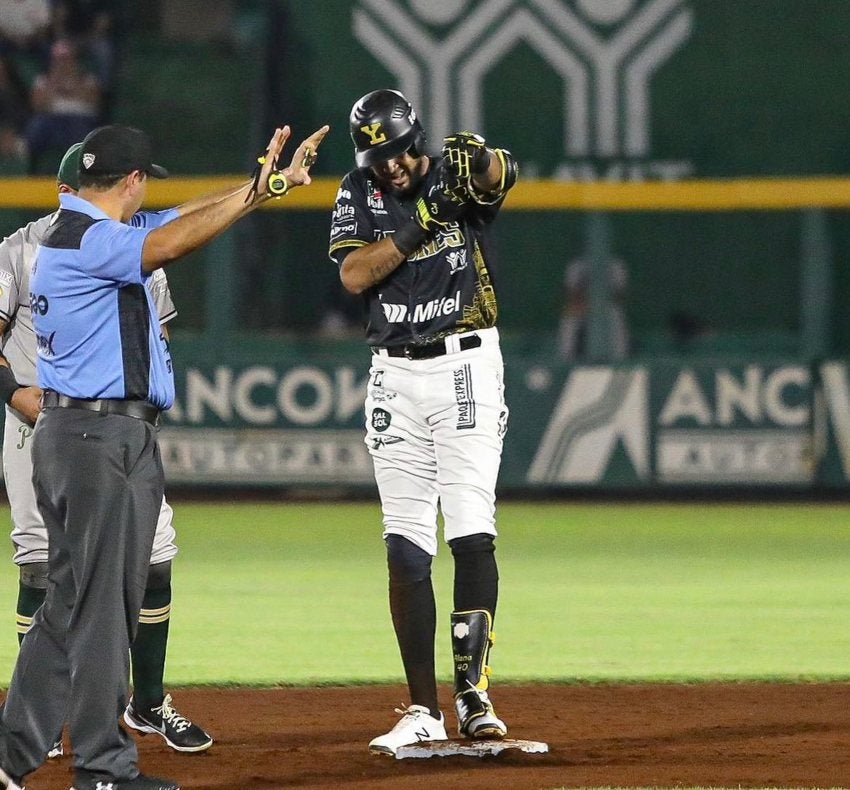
(159, 576)
(471, 544)
(407, 563)
(34, 574)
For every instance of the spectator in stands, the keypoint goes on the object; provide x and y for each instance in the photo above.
(573, 330)
(24, 26)
(66, 103)
(90, 26)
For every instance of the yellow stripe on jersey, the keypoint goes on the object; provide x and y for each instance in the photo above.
(152, 616)
(348, 243)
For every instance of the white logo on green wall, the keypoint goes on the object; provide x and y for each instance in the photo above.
(599, 409)
(605, 52)
(836, 394)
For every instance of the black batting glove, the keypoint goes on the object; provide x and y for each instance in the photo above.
(444, 205)
(465, 154)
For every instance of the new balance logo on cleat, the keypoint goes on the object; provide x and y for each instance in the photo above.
(416, 725)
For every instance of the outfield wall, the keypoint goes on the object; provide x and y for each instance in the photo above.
(292, 415)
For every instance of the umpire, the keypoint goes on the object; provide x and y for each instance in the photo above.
(106, 369)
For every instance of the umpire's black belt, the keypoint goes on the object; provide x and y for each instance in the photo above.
(429, 350)
(140, 409)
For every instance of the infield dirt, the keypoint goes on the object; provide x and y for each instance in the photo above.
(708, 735)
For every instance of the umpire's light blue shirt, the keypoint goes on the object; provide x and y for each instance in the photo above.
(96, 325)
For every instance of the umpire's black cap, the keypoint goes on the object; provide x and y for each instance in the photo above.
(383, 125)
(117, 150)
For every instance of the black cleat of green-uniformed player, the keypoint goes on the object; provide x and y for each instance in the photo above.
(176, 730)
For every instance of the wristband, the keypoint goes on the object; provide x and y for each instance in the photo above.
(8, 385)
(409, 237)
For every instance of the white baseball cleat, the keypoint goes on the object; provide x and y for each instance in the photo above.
(415, 726)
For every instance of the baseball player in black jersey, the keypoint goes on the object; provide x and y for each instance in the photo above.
(409, 234)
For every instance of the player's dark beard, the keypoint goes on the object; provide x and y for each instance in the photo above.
(415, 177)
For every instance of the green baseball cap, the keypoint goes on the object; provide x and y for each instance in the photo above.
(69, 167)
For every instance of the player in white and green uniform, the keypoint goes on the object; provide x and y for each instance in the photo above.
(151, 709)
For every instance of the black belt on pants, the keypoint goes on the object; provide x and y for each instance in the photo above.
(431, 350)
(140, 409)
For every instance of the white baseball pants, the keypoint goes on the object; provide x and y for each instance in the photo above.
(434, 429)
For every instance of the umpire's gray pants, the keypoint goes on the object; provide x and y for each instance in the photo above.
(99, 486)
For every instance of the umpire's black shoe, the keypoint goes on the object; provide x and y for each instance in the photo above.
(177, 731)
(8, 782)
(141, 782)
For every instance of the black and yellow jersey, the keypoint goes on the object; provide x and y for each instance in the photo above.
(445, 286)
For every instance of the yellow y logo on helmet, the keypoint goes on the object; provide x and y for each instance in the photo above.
(375, 134)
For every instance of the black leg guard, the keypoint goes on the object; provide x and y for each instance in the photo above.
(472, 638)
(414, 615)
(476, 574)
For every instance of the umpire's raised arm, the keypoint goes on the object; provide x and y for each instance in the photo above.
(210, 215)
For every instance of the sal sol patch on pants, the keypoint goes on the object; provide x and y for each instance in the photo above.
(381, 419)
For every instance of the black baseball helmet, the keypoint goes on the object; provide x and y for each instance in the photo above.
(384, 125)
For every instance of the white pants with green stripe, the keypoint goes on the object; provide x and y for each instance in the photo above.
(29, 535)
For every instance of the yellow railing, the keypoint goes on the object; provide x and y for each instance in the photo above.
(704, 195)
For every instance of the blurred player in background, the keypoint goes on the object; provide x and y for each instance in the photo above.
(574, 325)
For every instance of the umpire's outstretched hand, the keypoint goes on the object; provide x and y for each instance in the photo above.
(298, 172)
(217, 211)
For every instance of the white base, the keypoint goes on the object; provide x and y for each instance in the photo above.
(482, 748)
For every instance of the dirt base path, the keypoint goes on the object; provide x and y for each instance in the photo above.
(726, 735)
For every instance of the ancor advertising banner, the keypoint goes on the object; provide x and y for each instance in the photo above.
(268, 424)
(750, 424)
(670, 424)
(630, 426)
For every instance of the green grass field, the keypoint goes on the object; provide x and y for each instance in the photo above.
(296, 594)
